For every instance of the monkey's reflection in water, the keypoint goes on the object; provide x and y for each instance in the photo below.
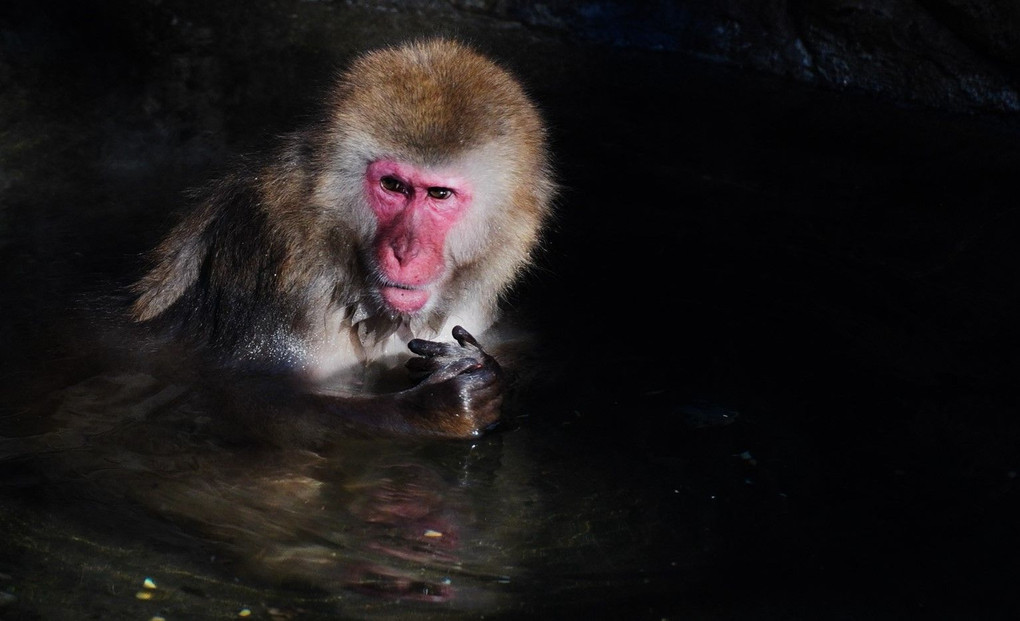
(409, 519)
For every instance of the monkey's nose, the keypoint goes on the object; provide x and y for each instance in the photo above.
(404, 253)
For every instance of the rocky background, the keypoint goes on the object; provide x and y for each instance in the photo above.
(945, 54)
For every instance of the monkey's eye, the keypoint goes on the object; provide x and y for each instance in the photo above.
(392, 184)
(440, 194)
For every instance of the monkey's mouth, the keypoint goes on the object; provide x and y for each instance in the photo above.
(403, 298)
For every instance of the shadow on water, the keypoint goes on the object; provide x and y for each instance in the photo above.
(121, 478)
(393, 519)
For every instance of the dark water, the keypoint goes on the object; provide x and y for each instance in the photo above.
(115, 478)
(782, 324)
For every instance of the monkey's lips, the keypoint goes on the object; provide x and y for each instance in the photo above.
(404, 299)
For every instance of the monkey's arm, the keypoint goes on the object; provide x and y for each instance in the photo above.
(459, 394)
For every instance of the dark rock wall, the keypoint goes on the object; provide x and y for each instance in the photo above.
(947, 54)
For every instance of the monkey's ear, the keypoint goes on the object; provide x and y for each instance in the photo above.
(178, 263)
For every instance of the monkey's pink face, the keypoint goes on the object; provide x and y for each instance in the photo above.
(414, 210)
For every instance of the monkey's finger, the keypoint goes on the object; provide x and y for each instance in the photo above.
(429, 349)
(464, 338)
(422, 366)
(481, 379)
(453, 369)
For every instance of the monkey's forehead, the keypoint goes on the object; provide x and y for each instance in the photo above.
(435, 99)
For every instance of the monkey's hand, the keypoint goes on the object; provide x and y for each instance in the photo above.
(461, 388)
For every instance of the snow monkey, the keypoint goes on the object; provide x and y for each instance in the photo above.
(404, 213)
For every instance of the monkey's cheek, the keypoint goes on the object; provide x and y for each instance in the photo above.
(404, 300)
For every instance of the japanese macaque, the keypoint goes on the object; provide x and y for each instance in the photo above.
(405, 213)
